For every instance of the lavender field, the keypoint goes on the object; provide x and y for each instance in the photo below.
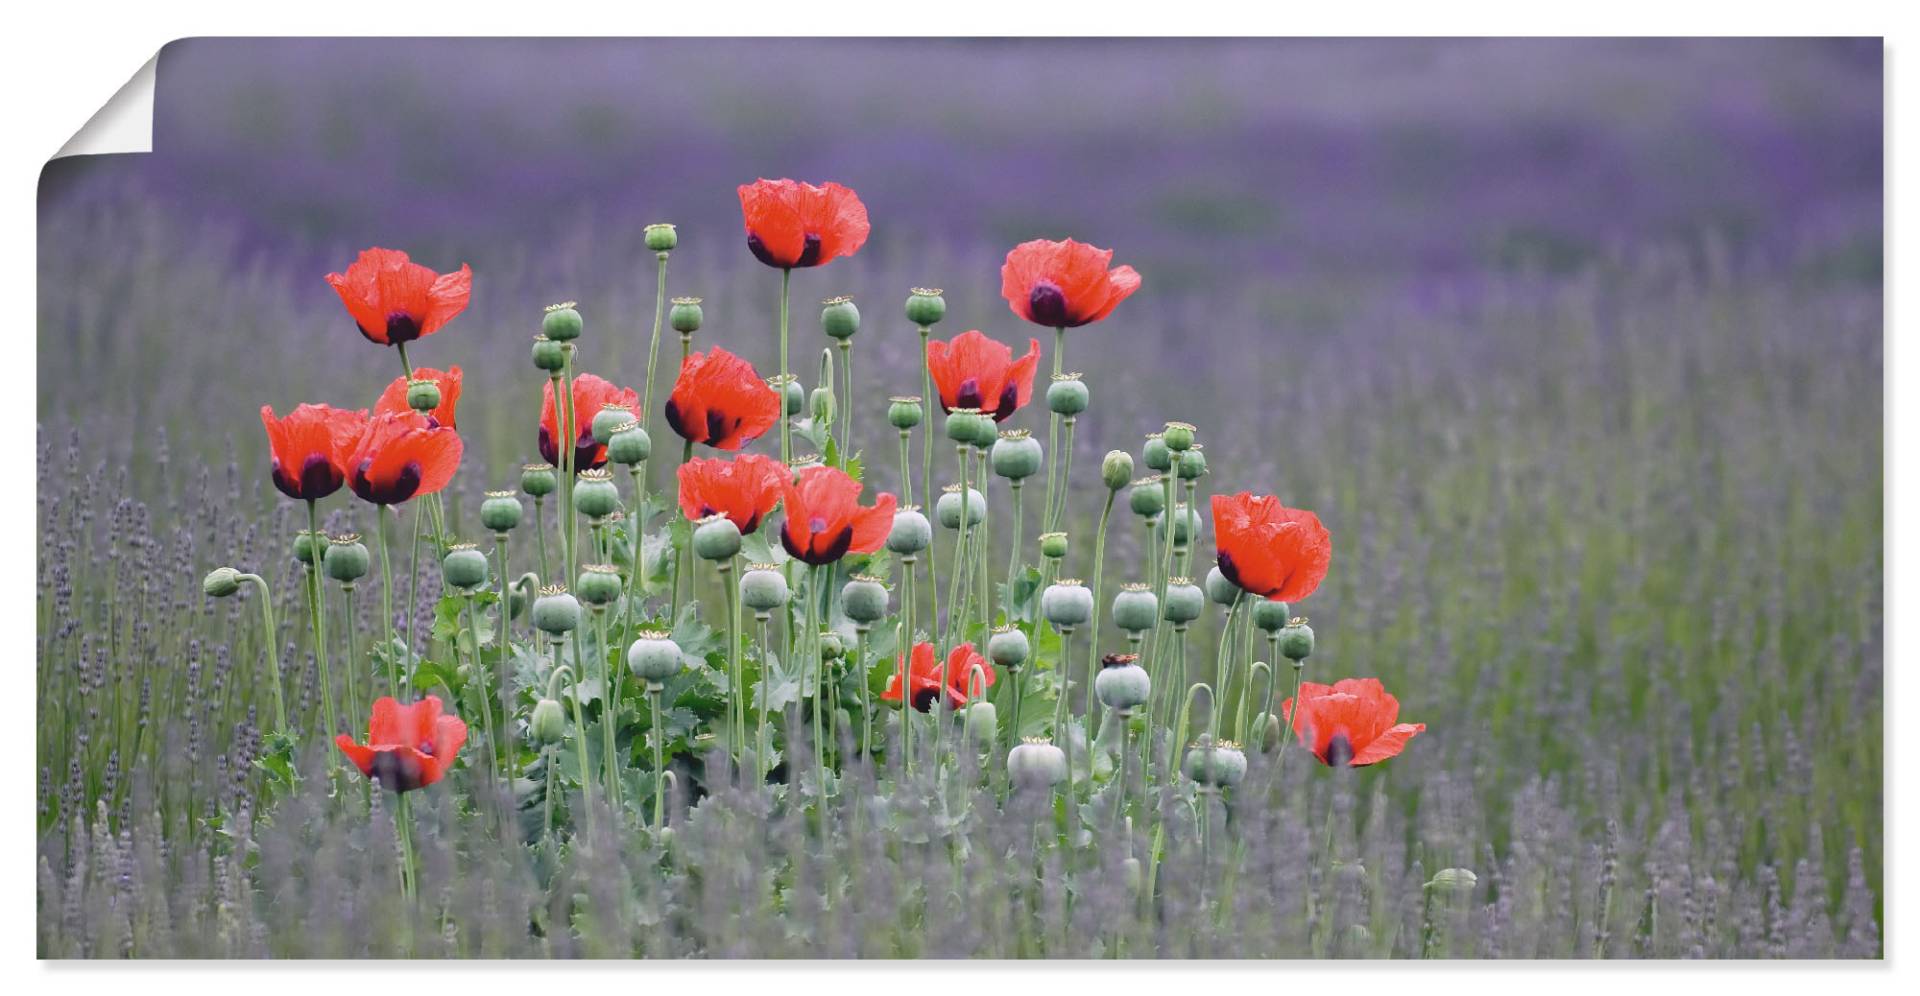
(1575, 347)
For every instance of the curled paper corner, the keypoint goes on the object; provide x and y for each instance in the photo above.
(123, 124)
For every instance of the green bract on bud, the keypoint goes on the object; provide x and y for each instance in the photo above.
(1192, 464)
(303, 546)
(839, 319)
(791, 394)
(1036, 763)
(221, 582)
(904, 412)
(464, 566)
(685, 316)
(1185, 601)
(611, 416)
(925, 306)
(1067, 603)
(1269, 615)
(595, 494)
(548, 724)
(1155, 453)
(716, 538)
(983, 724)
(1136, 608)
(629, 445)
(556, 612)
(763, 588)
(1454, 883)
(1296, 641)
(599, 584)
(1067, 395)
(963, 424)
(911, 533)
(947, 510)
(346, 559)
(1186, 524)
(538, 479)
(1016, 455)
(1053, 546)
(821, 405)
(1217, 764)
(864, 599)
(1221, 590)
(1008, 647)
(661, 237)
(654, 657)
(1178, 436)
(548, 354)
(562, 322)
(1116, 469)
(1266, 732)
(423, 395)
(1122, 684)
(500, 511)
(1148, 497)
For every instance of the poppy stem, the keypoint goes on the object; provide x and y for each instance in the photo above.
(480, 673)
(1013, 555)
(786, 423)
(819, 689)
(861, 672)
(736, 695)
(501, 698)
(272, 640)
(760, 746)
(1059, 514)
(960, 585)
(579, 720)
(984, 554)
(566, 448)
(659, 732)
(403, 826)
(636, 531)
(682, 552)
(1053, 424)
(846, 427)
(927, 496)
(540, 532)
(353, 648)
(413, 602)
(386, 599)
(1099, 568)
(653, 345)
(903, 644)
(608, 708)
(316, 604)
(1223, 667)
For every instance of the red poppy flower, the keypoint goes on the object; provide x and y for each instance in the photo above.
(395, 300)
(1350, 722)
(824, 521)
(743, 489)
(974, 371)
(402, 455)
(311, 446)
(1064, 284)
(924, 673)
(1269, 549)
(719, 400)
(791, 224)
(408, 746)
(394, 398)
(590, 394)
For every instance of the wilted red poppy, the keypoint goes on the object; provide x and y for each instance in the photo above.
(408, 746)
(402, 455)
(1269, 549)
(824, 520)
(744, 489)
(719, 400)
(1350, 722)
(1064, 284)
(590, 394)
(791, 224)
(394, 398)
(311, 447)
(974, 371)
(395, 300)
(924, 673)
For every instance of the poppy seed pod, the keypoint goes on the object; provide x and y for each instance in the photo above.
(1148, 497)
(654, 657)
(1192, 464)
(662, 237)
(685, 316)
(983, 723)
(464, 566)
(1186, 524)
(221, 582)
(346, 559)
(1122, 684)
(555, 612)
(1296, 641)
(1216, 764)
(1067, 603)
(599, 584)
(1008, 647)
(562, 322)
(763, 588)
(986, 432)
(963, 424)
(911, 532)
(1269, 615)
(925, 306)
(595, 494)
(1016, 455)
(538, 479)
(947, 510)
(716, 538)
(611, 416)
(1036, 763)
(1185, 601)
(548, 355)
(1156, 454)
(839, 318)
(1220, 590)
(629, 445)
(548, 724)
(1068, 395)
(904, 413)
(1053, 546)
(1116, 469)
(1178, 436)
(793, 398)
(303, 546)
(864, 599)
(423, 395)
(1136, 608)
(500, 511)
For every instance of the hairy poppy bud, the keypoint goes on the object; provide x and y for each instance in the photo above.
(464, 566)
(221, 582)
(562, 322)
(925, 306)
(1156, 454)
(685, 316)
(1067, 603)
(904, 413)
(983, 723)
(1266, 732)
(763, 588)
(548, 724)
(303, 546)
(963, 424)
(1218, 764)
(1136, 608)
(1116, 469)
(538, 479)
(654, 657)
(1296, 641)
(1454, 883)
(1008, 647)
(793, 397)
(595, 495)
(1122, 684)
(1148, 497)
(548, 355)
(661, 237)
(911, 532)
(1185, 601)
(629, 445)
(599, 584)
(1220, 590)
(1053, 546)
(555, 612)
(864, 599)
(1016, 455)
(839, 319)
(716, 538)
(1192, 464)
(500, 511)
(1067, 395)
(1036, 763)
(346, 559)
(611, 416)
(821, 406)
(423, 395)
(947, 510)
(1178, 436)
(1269, 615)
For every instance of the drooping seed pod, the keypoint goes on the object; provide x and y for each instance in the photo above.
(1148, 497)
(947, 510)
(911, 532)
(599, 584)
(1036, 763)
(1185, 601)
(1116, 469)
(685, 316)
(500, 511)
(464, 566)
(661, 237)
(538, 479)
(1220, 590)
(716, 538)
(221, 582)
(346, 559)
(1008, 647)
(1186, 524)
(1266, 732)
(548, 724)
(925, 307)
(839, 318)
(1016, 455)
(1068, 395)
(595, 495)
(1453, 883)
(612, 415)
(629, 445)
(1296, 641)
(556, 612)
(423, 394)
(982, 724)
(303, 546)
(1122, 684)
(904, 412)
(1136, 608)
(548, 354)
(1270, 616)
(562, 322)
(1067, 603)
(654, 657)
(763, 588)
(1053, 546)
(864, 599)
(1155, 453)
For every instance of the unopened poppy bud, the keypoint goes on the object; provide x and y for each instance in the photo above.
(1116, 469)
(925, 306)
(629, 445)
(1016, 455)
(346, 559)
(1185, 601)
(983, 723)
(716, 538)
(864, 599)
(1219, 764)
(832, 646)
(1148, 497)
(821, 406)
(947, 510)
(548, 354)
(1454, 883)
(963, 424)
(423, 395)
(1156, 454)
(1296, 641)
(1008, 647)
(610, 417)
(555, 612)
(1122, 684)
(763, 588)
(685, 316)
(661, 237)
(1036, 763)
(1178, 436)
(904, 413)
(839, 319)
(1192, 464)
(464, 566)
(538, 479)
(654, 657)
(911, 532)
(500, 511)
(1266, 732)
(548, 724)
(1068, 395)
(221, 582)
(1067, 603)
(794, 399)
(1220, 590)
(1186, 523)
(1269, 615)
(595, 495)
(562, 322)
(599, 584)
(303, 546)
(1053, 546)
(1135, 874)
(1136, 608)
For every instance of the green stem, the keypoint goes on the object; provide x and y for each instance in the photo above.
(819, 688)
(786, 423)
(579, 719)
(683, 552)
(1019, 531)
(1058, 514)
(272, 640)
(903, 646)
(503, 699)
(480, 672)
(1099, 575)
(353, 650)
(736, 695)
(386, 600)
(653, 344)
(659, 732)
(860, 672)
(608, 708)
(540, 532)
(760, 745)
(927, 496)
(1053, 426)
(413, 601)
(848, 407)
(316, 603)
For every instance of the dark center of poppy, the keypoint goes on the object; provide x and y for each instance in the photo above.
(923, 698)
(719, 426)
(392, 492)
(1047, 305)
(968, 394)
(402, 327)
(397, 770)
(1339, 751)
(1009, 402)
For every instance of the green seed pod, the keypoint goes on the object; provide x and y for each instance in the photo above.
(1269, 615)
(788, 386)
(1016, 455)
(925, 306)
(839, 319)
(986, 432)
(303, 546)
(1192, 465)
(983, 724)
(562, 322)
(1008, 647)
(1136, 608)
(1185, 601)
(611, 416)
(963, 424)
(555, 612)
(629, 445)
(1220, 765)
(548, 724)
(1156, 454)
(1122, 684)
(1067, 603)
(947, 510)
(763, 588)
(500, 512)
(548, 355)
(423, 395)
(864, 599)
(1454, 883)
(1220, 590)
(1053, 546)
(1296, 641)
(1068, 395)
(599, 584)
(1186, 524)
(685, 316)
(903, 412)
(221, 582)
(539, 479)
(346, 559)
(1116, 469)
(595, 494)
(1178, 436)
(661, 237)
(716, 538)
(1266, 732)
(911, 533)
(1148, 497)
(464, 566)
(1036, 763)
(654, 657)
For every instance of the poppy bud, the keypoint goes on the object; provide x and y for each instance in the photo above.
(1296, 641)
(911, 533)
(925, 306)
(654, 657)
(423, 395)
(1067, 603)
(1269, 615)
(864, 599)
(611, 416)
(820, 404)
(464, 566)
(1122, 684)
(1036, 763)
(1008, 647)
(629, 445)
(599, 584)
(1218, 764)
(303, 547)
(1266, 732)
(1116, 469)
(904, 413)
(538, 479)
(963, 424)
(548, 724)
(791, 394)
(839, 319)
(1136, 608)
(832, 646)
(346, 559)
(763, 588)
(1185, 601)
(555, 612)
(221, 582)
(1134, 873)
(500, 511)
(716, 538)
(1186, 523)
(1178, 436)
(983, 723)
(685, 317)
(947, 510)
(1053, 546)
(562, 322)
(1454, 883)
(661, 237)
(1192, 464)
(1156, 454)
(1220, 590)
(548, 355)
(1148, 497)
(595, 495)
(1067, 395)
(1016, 455)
